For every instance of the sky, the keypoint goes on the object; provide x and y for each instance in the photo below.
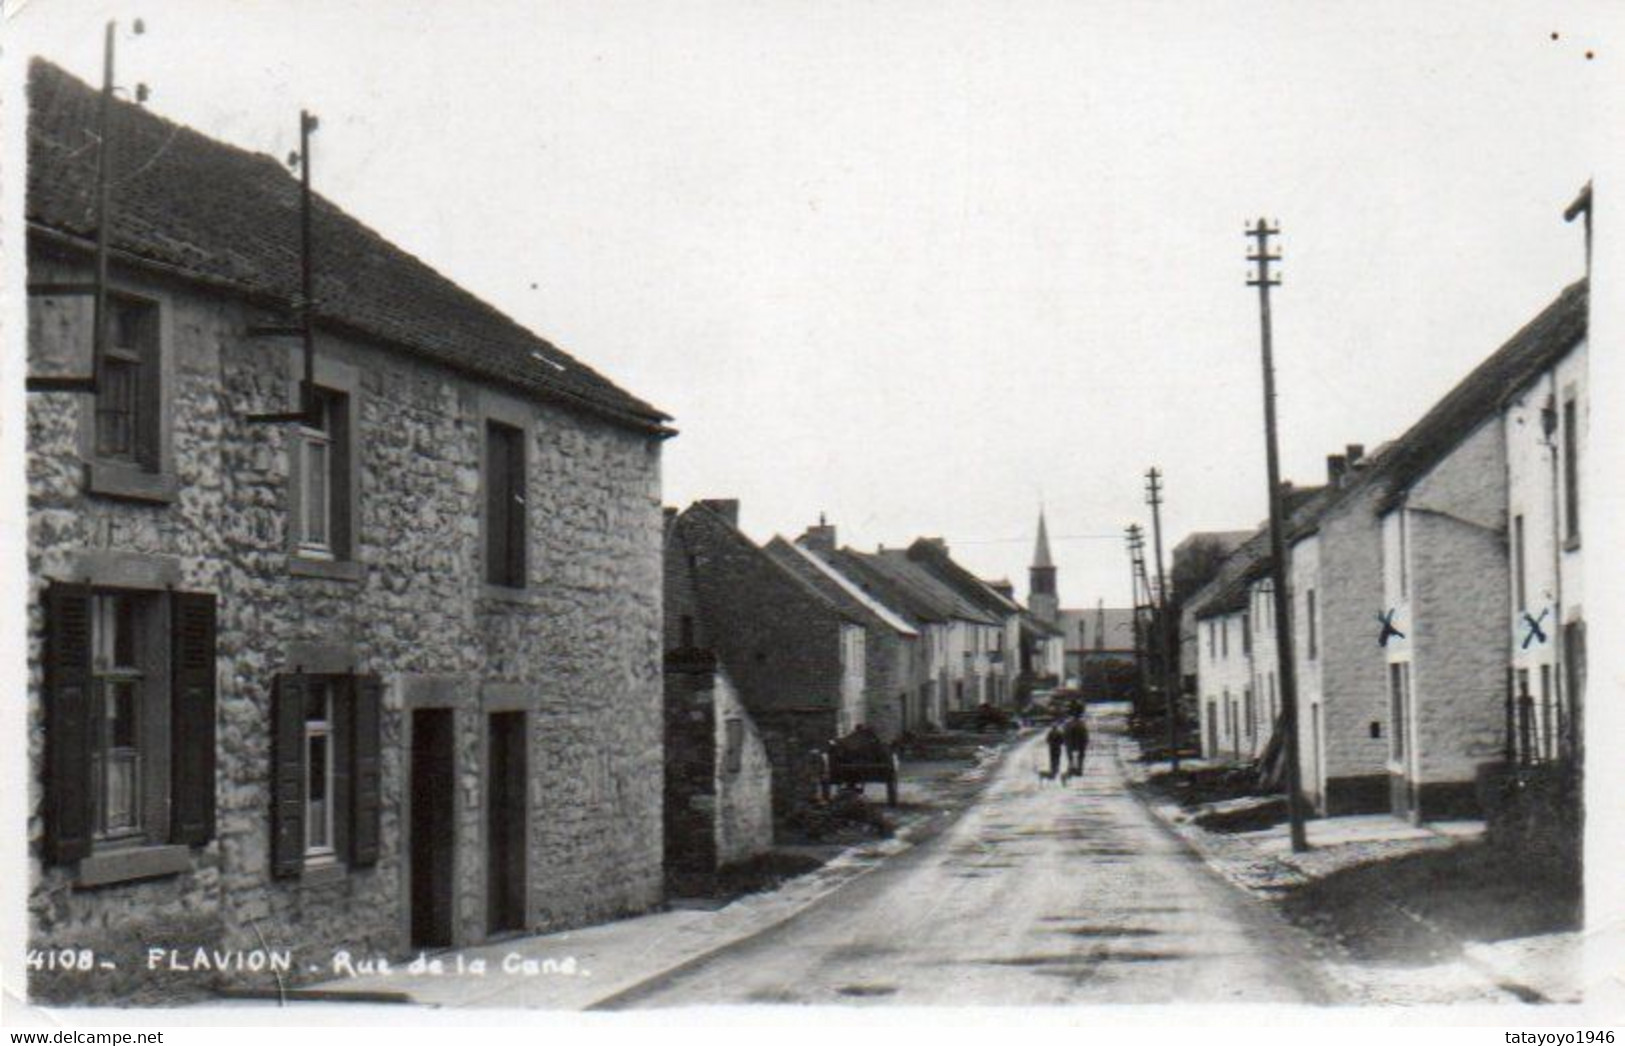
(924, 267)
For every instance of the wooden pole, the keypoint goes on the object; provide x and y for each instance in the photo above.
(1263, 279)
(1170, 670)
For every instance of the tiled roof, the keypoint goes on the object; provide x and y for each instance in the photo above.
(917, 607)
(946, 603)
(222, 216)
(933, 556)
(1481, 395)
(1476, 399)
(721, 523)
(1226, 593)
(836, 587)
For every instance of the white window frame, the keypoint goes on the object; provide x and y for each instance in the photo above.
(322, 729)
(309, 439)
(107, 674)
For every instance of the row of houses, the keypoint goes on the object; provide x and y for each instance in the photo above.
(772, 651)
(378, 676)
(390, 645)
(1436, 586)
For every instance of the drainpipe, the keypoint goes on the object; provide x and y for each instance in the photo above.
(1552, 444)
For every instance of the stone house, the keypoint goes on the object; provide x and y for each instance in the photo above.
(1545, 422)
(384, 679)
(795, 657)
(1451, 586)
(944, 664)
(1233, 723)
(719, 780)
(1193, 562)
(893, 667)
(1232, 644)
(1334, 574)
(994, 654)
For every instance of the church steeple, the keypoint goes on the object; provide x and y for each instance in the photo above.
(1041, 552)
(1042, 599)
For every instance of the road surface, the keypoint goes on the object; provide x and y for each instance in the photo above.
(1038, 894)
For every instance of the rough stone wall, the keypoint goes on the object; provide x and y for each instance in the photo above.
(744, 797)
(582, 643)
(691, 771)
(1353, 680)
(779, 643)
(888, 679)
(1458, 532)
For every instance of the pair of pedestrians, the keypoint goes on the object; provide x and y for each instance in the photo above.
(1073, 736)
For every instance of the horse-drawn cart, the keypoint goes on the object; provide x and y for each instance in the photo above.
(857, 759)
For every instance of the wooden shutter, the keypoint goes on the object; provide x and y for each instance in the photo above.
(69, 722)
(192, 720)
(366, 745)
(149, 382)
(288, 775)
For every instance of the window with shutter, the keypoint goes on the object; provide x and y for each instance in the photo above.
(288, 775)
(118, 747)
(366, 747)
(326, 771)
(192, 719)
(68, 723)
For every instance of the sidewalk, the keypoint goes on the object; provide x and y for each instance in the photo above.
(1540, 968)
(579, 969)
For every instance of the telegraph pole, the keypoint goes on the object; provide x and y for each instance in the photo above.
(1133, 580)
(1264, 279)
(97, 289)
(1170, 670)
(1135, 567)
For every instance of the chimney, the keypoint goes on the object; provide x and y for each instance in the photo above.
(1003, 587)
(668, 513)
(1354, 452)
(819, 538)
(1336, 466)
(727, 508)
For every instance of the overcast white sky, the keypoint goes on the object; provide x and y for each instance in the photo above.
(917, 265)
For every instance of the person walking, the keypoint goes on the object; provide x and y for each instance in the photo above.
(1077, 743)
(1056, 739)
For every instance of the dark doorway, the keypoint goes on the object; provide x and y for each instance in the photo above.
(505, 824)
(433, 790)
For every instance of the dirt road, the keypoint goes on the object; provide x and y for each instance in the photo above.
(1038, 894)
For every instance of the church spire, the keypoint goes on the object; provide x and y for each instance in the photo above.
(1041, 596)
(1041, 552)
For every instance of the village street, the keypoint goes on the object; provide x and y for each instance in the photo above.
(1038, 894)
